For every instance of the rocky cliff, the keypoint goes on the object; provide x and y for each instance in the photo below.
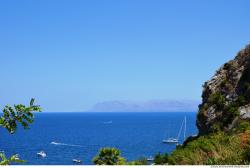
(223, 119)
(226, 97)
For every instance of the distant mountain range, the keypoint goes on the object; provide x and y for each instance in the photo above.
(148, 106)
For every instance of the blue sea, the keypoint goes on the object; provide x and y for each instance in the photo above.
(67, 136)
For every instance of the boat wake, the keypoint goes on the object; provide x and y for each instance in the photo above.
(108, 122)
(63, 144)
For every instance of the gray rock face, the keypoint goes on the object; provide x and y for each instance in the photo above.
(226, 94)
(245, 112)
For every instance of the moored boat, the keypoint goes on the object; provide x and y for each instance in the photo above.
(176, 140)
(77, 161)
(150, 159)
(42, 154)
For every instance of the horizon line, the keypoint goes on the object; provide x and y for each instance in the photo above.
(117, 112)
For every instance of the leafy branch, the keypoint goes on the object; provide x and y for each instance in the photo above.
(10, 119)
(7, 161)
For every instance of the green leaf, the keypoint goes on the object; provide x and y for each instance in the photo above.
(25, 125)
(28, 119)
(32, 102)
(1, 121)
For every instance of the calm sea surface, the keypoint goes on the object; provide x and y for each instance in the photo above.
(81, 135)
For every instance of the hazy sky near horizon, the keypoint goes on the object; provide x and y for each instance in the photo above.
(72, 54)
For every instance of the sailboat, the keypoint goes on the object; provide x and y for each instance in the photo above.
(176, 140)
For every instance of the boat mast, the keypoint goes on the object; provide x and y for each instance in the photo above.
(180, 130)
(185, 127)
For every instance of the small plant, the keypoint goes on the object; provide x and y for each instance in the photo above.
(243, 126)
(210, 161)
(223, 83)
(109, 156)
(217, 127)
(161, 159)
(230, 112)
(227, 66)
(230, 66)
(218, 100)
(7, 161)
(241, 101)
(140, 161)
(246, 155)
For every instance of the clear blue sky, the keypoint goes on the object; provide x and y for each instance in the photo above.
(72, 54)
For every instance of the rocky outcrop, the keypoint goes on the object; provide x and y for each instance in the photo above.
(227, 95)
(245, 112)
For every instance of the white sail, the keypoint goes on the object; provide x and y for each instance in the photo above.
(176, 140)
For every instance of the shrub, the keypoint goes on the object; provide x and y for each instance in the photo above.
(189, 139)
(246, 90)
(217, 99)
(230, 112)
(246, 85)
(210, 161)
(217, 127)
(243, 126)
(219, 148)
(233, 110)
(246, 155)
(227, 66)
(140, 161)
(109, 156)
(241, 101)
(161, 159)
(204, 144)
(223, 83)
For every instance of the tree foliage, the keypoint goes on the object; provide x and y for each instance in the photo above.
(218, 100)
(140, 161)
(7, 161)
(109, 156)
(161, 159)
(12, 116)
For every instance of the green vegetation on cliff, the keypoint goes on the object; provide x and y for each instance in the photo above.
(215, 148)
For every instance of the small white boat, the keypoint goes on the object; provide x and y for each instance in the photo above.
(170, 140)
(42, 154)
(150, 159)
(76, 161)
(17, 157)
